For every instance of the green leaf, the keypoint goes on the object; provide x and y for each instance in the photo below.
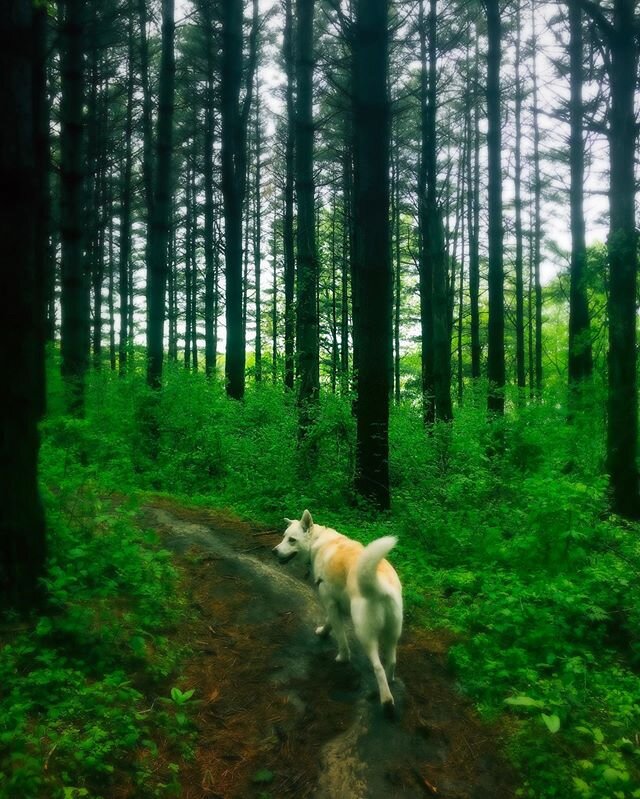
(523, 701)
(552, 722)
(262, 776)
(581, 786)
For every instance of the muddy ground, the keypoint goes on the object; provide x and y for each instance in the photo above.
(279, 718)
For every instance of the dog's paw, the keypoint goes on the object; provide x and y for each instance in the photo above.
(343, 657)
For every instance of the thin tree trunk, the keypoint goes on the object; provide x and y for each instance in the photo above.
(398, 272)
(209, 276)
(433, 248)
(194, 260)
(234, 157)
(172, 292)
(306, 260)
(425, 263)
(519, 264)
(495, 362)
(537, 193)
(287, 233)
(580, 357)
(257, 236)
(111, 262)
(274, 307)
(125, 212)
(160, 219)
(75, 290)
(188, 268)
(474, 223)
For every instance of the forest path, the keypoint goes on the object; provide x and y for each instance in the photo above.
(279, 718)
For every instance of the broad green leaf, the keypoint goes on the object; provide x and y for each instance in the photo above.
(552, 722)
(523, 701)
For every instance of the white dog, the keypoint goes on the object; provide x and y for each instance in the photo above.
(355, 580)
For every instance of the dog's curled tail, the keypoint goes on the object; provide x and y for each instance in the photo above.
(368, 564)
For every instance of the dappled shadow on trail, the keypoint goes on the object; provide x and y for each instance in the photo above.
(278, 717)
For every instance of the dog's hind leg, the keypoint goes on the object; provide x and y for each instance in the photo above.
(389, 658)
(386, 699)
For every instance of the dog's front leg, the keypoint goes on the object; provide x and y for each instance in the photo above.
(324, 629)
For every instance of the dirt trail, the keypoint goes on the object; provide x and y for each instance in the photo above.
(280, 719)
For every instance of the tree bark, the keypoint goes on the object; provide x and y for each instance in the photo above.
(495, 362)
(306, 256)
(125, 210)
(580, 357)
(257, 236)
(537, 204)
(371, 128)
(74, 299)
(287, 232)
(161, 210)
(209, 259)
(622, 243)
(234, 159)
(23, 546)
(519, 235)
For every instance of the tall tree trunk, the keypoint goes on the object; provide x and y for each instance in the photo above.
(519, 264)
(188, 268)
(371, 127)
(75, 289)
(209, 260)
(580, 357)
(397, 268)
(537, 203)
(194, 260)
(147, 116)
(44, 260)
(465, 188)
(307, 260)
(234, 159)
(22, 523)
(125, 209)
(474, 220)
(287, 233)
(111, 287)
(622, 428)
(257, 236)
(349, 278)
(433, 248)
(274, 307)
(425, 263)
(160, 218)
(495, 362)
(172, 292)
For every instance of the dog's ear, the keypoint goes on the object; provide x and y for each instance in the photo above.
(288, 522)
(306, 521)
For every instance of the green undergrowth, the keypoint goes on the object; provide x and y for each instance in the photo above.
(85, 704)
(505, 538)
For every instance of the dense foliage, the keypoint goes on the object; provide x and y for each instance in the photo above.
(87, 685)
(511, 547)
